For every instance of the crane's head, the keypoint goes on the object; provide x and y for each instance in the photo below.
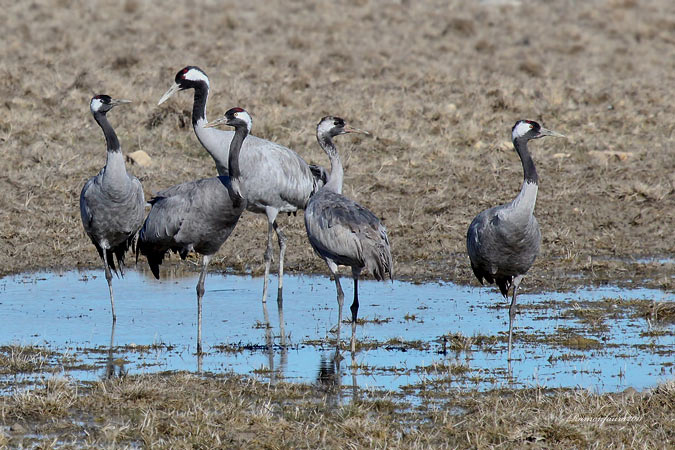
(331, 126)
(234, 117)
(104, 103)
(188, 77)
(529, 129)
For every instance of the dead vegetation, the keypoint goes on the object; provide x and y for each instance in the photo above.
(187, 411)
(438, 84)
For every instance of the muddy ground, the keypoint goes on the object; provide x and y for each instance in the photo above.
(439, 85)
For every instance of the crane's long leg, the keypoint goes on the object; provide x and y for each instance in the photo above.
(200, 294)
(281, 237)
(271, 217)
(340, 295)
(108, 277)
(280, 299)
(512, 310)
(355, 307)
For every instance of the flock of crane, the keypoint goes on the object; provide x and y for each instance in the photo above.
(266, 178)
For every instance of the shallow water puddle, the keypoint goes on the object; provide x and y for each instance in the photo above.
(414, 336)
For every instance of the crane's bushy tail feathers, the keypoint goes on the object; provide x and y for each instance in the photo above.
(320, 176)
(153, 256)
(379, 262)
(115, 254)
(504, 284)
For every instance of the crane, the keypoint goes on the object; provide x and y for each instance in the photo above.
(112, 203)
(198, 215)
(277, 179)
(503, 241)
(341, 231)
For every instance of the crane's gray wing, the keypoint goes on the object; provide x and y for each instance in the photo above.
(164, 220)
(274, 176)
(500, 249)
(86, 212)
(349, 234)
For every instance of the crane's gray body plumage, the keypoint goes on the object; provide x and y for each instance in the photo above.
(112, 203)
(274, 176)
(503, 241)
(112, 208)
(277, 178)
(194, 216)
(341, 231)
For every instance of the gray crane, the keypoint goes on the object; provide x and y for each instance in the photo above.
(504, 241)
(198, 215)
(277, 179)
(112, 204)
(341, 231)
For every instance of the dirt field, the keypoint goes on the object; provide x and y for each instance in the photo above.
(439, 85)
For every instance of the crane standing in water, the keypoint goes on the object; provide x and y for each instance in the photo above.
(112, 204)
(198, 215)
(277, 179)
(504, 241)
(341, 231)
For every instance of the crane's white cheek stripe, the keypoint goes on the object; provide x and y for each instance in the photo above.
(96, 104)
(196, 75)
(521, 129)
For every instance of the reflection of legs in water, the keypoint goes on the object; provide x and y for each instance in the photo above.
(269, 343)
(355, 386)
(282, 328)
(109, 366)
(110, 363)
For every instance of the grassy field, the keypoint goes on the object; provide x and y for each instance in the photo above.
(439, 84)
(188, 411)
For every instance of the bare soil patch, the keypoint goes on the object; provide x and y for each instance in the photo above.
(439, 84)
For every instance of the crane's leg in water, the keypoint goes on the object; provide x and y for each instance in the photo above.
(200, 294)
(340, 295)
(282, 252)
(108, 277)
(271, 218)
(280, 298)
(355, 307)
(512, 310)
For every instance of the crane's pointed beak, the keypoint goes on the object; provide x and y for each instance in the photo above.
(172, 90)
(545, 132)
(350, 129)
(216, 123)
(119, 101)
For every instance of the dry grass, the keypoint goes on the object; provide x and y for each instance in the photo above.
(438, 84)
(186, 411)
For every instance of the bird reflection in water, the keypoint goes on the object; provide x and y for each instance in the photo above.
(113, 368)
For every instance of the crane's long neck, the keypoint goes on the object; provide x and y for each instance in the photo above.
(115, 173)
(526, 199)
(336, 172)
(111, 141)
(199, 103)
(237, 193)
(210, 138)
(240, 134)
